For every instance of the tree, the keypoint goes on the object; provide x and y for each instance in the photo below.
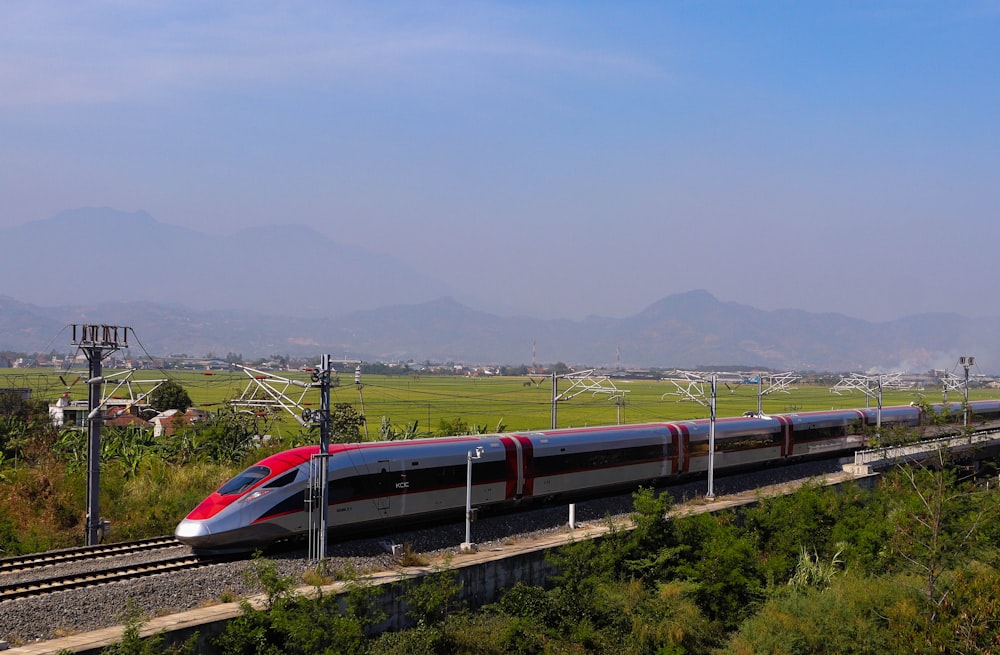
(431, 598)
(14, 406)
(650, 550)
(781, 527)
(560, 368)
(132, 643)
(971, 617)
(845, 618)
(389, 432)
(224, 438)
(448, 428)
(25, 429)
(721, 560)
(346, 423)
(170, 395)
(936, 521)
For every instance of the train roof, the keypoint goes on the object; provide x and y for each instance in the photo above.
(295, 456)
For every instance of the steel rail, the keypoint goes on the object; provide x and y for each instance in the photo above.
(54, 557)
(95, 578)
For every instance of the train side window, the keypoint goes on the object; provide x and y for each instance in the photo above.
(287, 478)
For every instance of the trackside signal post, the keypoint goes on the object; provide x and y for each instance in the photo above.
(318, 498)
(467, 545)
(97, 342)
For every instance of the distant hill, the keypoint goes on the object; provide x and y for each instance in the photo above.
(94, 255)
(683, 330)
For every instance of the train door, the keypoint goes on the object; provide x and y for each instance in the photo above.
(685, 449)
(383, 486)
(674, 449)
(514, 468)
(526, 453)
(786, 435)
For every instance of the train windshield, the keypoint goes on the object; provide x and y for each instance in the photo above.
(245, 480)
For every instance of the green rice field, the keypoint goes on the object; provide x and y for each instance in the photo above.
(489, 403)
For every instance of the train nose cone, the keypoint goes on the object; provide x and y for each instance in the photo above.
(191, 532)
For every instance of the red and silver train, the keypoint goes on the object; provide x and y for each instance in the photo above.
(388, 483)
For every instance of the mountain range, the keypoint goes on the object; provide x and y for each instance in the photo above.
(206, 294)
(684, 330)
(99, 254)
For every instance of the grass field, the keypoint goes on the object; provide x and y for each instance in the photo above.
(514, 403)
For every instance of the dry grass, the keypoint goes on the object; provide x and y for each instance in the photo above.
(318, 576)
(409, 557)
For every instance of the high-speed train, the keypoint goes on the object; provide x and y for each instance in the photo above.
(380, 484)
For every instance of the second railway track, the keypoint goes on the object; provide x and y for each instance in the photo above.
(83, 553)
(38, 587)
(75, 568)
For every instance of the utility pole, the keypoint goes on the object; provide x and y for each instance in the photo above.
(361, 393)
(710, 494)
(967, 363)
(555, 400)
(97, 342)
(269, 391)
(775, 382)
(691, 385)
(872, 386)
(580, 382)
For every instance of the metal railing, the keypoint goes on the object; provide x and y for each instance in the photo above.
(908, 451)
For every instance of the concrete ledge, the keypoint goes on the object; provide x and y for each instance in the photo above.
(858, 470)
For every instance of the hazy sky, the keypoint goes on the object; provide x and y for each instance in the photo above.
(553, 158)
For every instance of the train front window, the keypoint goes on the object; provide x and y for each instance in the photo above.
(245, 480)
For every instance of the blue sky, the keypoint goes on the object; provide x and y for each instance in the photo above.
(558, 159)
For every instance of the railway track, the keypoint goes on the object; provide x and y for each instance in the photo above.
(89, 566)
(52, 584)
(83, 553)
